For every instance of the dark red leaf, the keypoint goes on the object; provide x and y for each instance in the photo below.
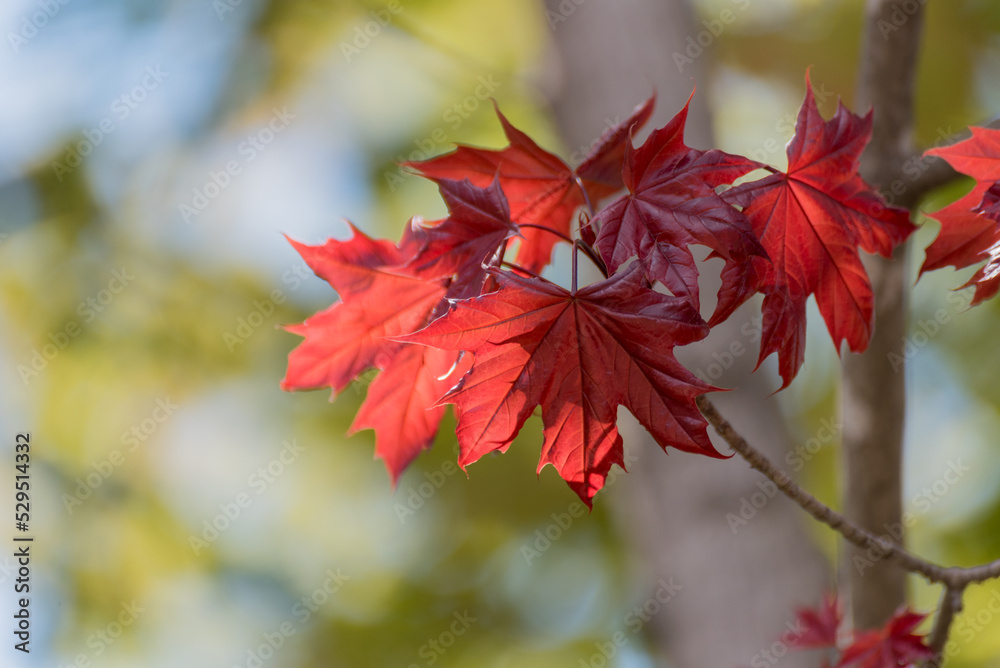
(672, 204)
(540, 188)
(459, 246)
(578, 356)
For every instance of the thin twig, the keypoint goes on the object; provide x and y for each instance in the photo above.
(953, 577)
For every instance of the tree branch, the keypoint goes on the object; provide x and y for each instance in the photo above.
(952, 577)
(951, 605)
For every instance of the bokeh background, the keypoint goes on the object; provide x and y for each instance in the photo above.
(186, 512)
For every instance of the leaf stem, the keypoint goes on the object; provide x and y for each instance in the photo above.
(545, 228)
(594, 256)
(576, 247)
(516, 267)
(586, 195)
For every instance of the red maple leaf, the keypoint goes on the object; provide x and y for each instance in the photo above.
(578, 355)
(387, 291)
(970, 232)
(811, 220)
(540, 187)
(672, 204)
(401, 405)
(460, 246)
(819, 626)
(351, 337)
(893, 646)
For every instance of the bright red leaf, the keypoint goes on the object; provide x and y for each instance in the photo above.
(350, 338)
(671, 204)
(894, 646)
(811, 220)
(401, 403)
(540, 187)
(970, 231)
(387, 291)
(578, 355)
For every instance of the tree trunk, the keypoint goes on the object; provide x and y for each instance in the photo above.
(742, 583)
(874, 394)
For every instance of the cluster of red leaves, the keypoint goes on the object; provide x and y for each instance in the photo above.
(893, 646)
(970, 227)
(447, 319)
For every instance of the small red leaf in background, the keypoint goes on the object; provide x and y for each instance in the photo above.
(672, 204)
(819, 626)
(540, 187)
(579, 356)
(970, 231)
(811, 220)
(894, 646)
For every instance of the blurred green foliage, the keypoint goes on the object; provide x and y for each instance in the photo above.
(408, 568)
